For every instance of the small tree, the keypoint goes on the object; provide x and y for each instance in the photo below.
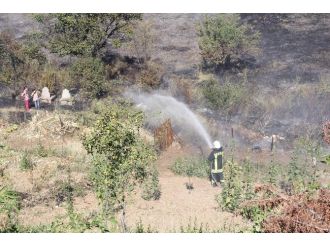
(223, 40)
(151, 187)
(85, 34)
(142, 41)
(120, 159)
(231, 195)
(9, 207)
(10, 58)
(248, 180)
(89, 74)
(227, 97)
(20, 61)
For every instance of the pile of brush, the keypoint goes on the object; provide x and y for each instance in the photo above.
(294, 213)
(301, 213)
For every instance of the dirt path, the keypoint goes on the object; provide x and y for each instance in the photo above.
(177, 206)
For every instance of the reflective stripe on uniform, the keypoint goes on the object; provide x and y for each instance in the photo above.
(216, 170)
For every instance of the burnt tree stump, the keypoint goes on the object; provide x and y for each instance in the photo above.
(164, 135)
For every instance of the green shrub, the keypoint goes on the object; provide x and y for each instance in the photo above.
(248, 180)
(232, 192)
(151, 187)
(223, 40)
(227, 97)
(194, 228)
(191, 167)
(256, 215)
(121, 160)
(9, 200)
(9, 207)
(82, 34)
(89, 74)
(26, 163)
(41, 151)
(140, 228)
(272, 175)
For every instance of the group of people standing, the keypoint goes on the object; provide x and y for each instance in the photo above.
(35, 97)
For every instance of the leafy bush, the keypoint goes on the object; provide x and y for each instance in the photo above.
(9, 206)
(302, 168)
(256, 215)
(151, 187)
(227, 97)
(223, 40)
(273, 172)
(231, 195)
(89, 74)
(21, 61)
(9, 200)
(140, 228)
(121, 160)
(85, 34)
(248, 180)
(54, 77)
(191, 166)
(26, 163)
(42, 151)
(194, 228)
(11, 61)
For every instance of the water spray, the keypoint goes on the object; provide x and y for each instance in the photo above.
(158, 108)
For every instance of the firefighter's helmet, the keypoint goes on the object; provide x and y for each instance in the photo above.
(217, 144)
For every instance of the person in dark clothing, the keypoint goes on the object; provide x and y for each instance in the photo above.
(216, 163)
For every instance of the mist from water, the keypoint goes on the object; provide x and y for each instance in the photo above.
(158, 108)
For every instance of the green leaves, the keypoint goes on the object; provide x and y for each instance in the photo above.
(227, 97)
(9, 200)
(20, 60)
(10, 57)
(26, 163)
(89, 74)
(191, 166)
(223, 40)
(231, 194)
(86, 34)
(120, 159)
(9, 207)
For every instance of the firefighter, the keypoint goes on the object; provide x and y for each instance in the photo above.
(216, 163)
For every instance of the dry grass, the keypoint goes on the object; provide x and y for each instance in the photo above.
(38, 186)
(177, 206)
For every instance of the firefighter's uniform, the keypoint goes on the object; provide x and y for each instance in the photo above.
(216, 159)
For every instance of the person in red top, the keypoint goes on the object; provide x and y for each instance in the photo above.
(26, 98)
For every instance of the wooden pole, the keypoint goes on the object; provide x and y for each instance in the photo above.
(272, 143)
